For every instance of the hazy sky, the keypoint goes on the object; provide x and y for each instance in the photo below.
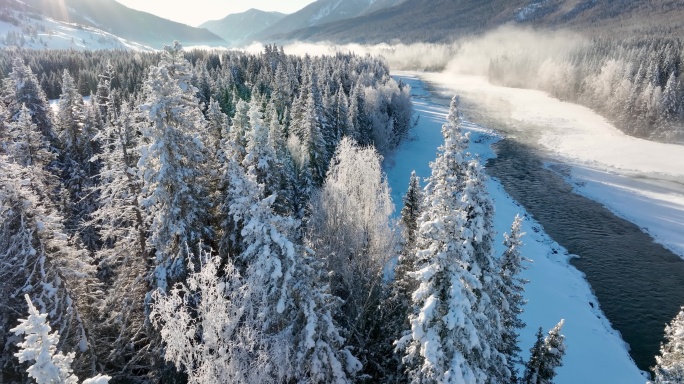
(195, 12)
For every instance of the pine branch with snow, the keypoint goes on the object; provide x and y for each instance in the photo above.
(669, 367)
(40, 347)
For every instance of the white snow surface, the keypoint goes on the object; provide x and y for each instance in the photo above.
(639, 180)
(55, 34)
(595, 352)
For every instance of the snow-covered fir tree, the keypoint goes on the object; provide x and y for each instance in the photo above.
(669, 367)
(260, 158)
(283, 165)
(77, 128)
(410, 212)
(237, 135)
(123, 261)
(39, 259)
(396, 302)
(172, 165)
(545, 356)
(4, 128)
(307, 126)
(70, 116)
(510, 267)
(39, 347)
(103, 99)
(21, 88)
(217, 127)
(29, 148)
(477, 211)
(454, 325)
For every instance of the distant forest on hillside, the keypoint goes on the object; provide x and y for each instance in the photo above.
(637, 83)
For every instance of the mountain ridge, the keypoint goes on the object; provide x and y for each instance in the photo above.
(238, 28)
(114, 17)
(321, 12)
(447, 20)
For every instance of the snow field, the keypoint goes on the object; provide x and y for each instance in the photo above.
(61, 35)
(595, 352)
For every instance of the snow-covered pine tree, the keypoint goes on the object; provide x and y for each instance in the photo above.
(4, 128)
(545, 356)
(667, 109)
(39, 259)
(40, 347)
(306, 125)
(341, 122)
(21, 88)
(510, 267)
(260, 155)
(209, 334)
(172, 165)
(237, 135)
(448, 338)
(362, 130)
(329, 125)
(284, 167)
(396, 303)
(104, 88)
(281, 89)
(29, 148)
(77, 127)
(69, 119)
(477, 234)
(669, 367)
(217, 128)
(203, 83)
(410, 213)
(123, 259)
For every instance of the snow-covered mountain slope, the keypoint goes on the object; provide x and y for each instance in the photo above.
(445, 20)
(324, 11)
(21, 26)
(239, 28)
(115, 18)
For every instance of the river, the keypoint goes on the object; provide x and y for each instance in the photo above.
(639, 283)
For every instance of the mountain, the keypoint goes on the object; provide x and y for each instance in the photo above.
(321, 12)
(237, 29)
(24, 26)
(127, 23)
(445, 20)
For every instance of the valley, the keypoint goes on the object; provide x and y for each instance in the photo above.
(342, 191)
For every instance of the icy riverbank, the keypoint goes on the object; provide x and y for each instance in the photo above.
(596, 353)
(639, 180)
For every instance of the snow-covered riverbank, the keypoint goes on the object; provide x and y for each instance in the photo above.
(639, 180)
(596, 353)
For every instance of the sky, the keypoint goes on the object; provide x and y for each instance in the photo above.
(196, 12)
